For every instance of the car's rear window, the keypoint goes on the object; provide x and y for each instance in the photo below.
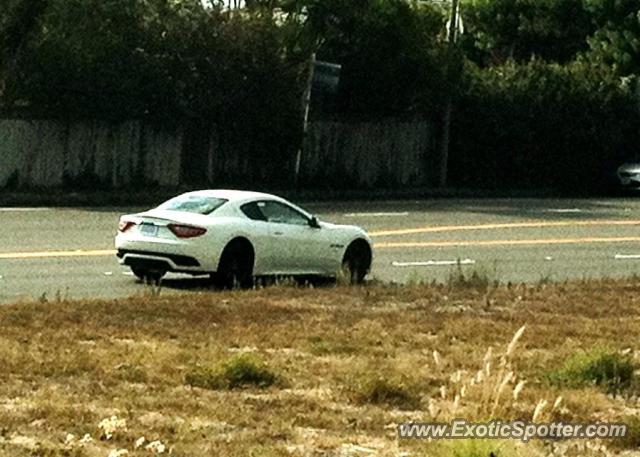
(193, 204)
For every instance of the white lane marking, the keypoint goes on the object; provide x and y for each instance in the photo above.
(548, 258)
(564, 210)
(434, 263)
(24, 209)
(108, 273)
(381, 214)
(127, 273)
(626, 256)
(0, 276)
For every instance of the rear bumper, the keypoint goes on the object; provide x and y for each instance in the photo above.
(193, 255)
(159, 261)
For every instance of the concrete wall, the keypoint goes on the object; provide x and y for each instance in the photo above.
(92, 154)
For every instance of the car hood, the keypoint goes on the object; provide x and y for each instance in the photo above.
(354, 228)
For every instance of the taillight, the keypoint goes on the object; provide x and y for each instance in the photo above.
(123, 226)
(186, 231)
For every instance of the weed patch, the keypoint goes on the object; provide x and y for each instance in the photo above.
(480, 448)
(381, 391)
(477, 279)
(609, 370)
(240, 371)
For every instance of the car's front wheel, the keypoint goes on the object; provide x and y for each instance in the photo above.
(356, 262)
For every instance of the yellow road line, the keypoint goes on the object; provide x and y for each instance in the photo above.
(50, 254)
(457, 228)
(432, 229)
(454, 243)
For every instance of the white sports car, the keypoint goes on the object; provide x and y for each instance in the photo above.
(237, 235)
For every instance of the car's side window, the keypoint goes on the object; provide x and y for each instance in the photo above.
(253, 211)
(281, 213)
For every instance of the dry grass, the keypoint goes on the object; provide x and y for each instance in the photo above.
(344, 366)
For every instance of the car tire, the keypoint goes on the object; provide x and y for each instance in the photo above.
(235, 269)
(356, 262)
(148, 275)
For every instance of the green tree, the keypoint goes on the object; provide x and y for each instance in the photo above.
(85, 56)
(498, 30)
(391, 53)
(616, 43)
(18, 22)
(122, 59)
(542, 125)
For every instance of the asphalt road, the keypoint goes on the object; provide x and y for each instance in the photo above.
(58, 252)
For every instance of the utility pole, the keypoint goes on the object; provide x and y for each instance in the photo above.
(306, 104)
(443, 166)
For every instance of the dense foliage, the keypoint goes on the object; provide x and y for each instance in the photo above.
(120, 59)
(552, 100)
(541, 125)
(616, 42)
(548, 85)
(498, 30)
(392, 56)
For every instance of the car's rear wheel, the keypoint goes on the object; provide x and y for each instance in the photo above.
(356, 262)
(148, 275)
(235, 269)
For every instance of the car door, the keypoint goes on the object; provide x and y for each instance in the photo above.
(299, 245)
(268, 256)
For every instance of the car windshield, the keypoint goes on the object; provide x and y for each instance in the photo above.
(193, 204)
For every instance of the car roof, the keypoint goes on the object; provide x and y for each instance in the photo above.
(233, 195)
(238, 197)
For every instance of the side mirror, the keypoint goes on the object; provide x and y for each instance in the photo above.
(313, 222)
